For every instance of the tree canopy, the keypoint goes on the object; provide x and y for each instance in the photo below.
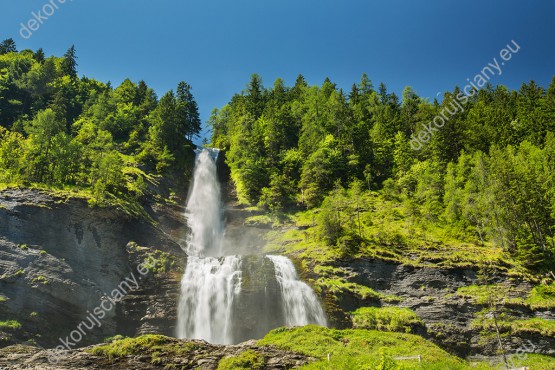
(57, 129)
(487, 172)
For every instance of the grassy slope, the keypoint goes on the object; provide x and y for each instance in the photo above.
(391, 234)
(367, 349)
(348, 350)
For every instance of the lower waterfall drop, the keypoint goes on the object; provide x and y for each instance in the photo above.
(208, 289)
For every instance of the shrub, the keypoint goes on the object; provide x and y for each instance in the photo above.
(246, 360)
(129, 346)
(386, 319)
(10, 324)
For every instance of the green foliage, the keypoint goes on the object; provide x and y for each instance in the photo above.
(480, 294)
(40, 280)
(542, 297)
(523, 328)
(361, 349)
(340, 285)
(485, 178)
(129, 346)
(10, 325)
(386, 319)
(114, 338)
(248, 359)
(59, 131)
(8, 46)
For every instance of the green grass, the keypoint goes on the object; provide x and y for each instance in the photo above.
(362, 349)
(130, 346)
(260, 220)
(389, 233)
(354, 349)
(534, 362)
(40, 280)
(492, 294)
(542, 297)
(517, 327)
(386, 319)
(10, 324)
(164, 352)
(246, 360)
(337, 286)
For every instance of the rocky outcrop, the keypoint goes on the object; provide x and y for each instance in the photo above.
(430, 292)
(191, 355)
(60, 258)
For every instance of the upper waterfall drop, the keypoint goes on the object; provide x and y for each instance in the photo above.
(204, 208)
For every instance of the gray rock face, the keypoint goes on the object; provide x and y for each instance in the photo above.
(448, 318)
(192, 355)
(257, 309)
(59, 257)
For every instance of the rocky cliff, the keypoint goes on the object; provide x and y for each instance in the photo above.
(431, 292)
(60, 258)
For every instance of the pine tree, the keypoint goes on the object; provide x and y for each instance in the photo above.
(39, 56)
(255, 96)
(189, 123)
(8, 46)
(69, 65)
(365, 87)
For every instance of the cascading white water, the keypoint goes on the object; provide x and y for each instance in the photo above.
(207, 292)
(213, 306)
(209, 283)
(204, 209)
(300, 304)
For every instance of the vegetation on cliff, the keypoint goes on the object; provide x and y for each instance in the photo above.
(343, 182)
(368, 349)
(61, 131)
(483, 181)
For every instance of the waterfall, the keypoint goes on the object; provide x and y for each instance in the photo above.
(209, 284)
(216, 304)
(300, 304)
(204, 209)
(207, 292)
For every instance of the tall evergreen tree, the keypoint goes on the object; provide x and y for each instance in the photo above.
(69, 65)
(8, 46)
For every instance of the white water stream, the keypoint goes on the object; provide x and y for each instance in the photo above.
(212, 281)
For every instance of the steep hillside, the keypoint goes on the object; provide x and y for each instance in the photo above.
(59, 258)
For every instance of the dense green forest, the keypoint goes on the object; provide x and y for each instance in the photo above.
(486, 177)
(61, 131)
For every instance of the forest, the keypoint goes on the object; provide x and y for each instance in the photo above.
(61, 131)
(486, 177)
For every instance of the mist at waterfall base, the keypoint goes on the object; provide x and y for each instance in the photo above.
(227, 298)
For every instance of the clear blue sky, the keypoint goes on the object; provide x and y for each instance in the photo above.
(215, 45)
